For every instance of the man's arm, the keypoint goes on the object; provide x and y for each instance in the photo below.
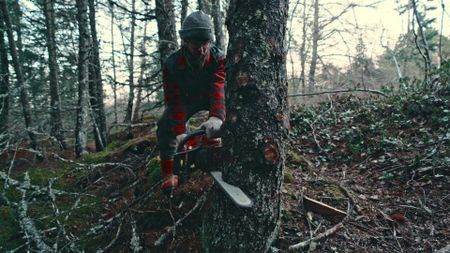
(217, 92)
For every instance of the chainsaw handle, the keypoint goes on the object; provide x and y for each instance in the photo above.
(188, 137)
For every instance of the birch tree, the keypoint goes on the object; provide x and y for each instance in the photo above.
(255, 131)
(81, 133)
(4, 82)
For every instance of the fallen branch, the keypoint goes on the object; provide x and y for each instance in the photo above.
(318, 237)
(170, 232)
(337, 91)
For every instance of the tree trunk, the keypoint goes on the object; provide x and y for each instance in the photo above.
(4, 82)
(81, 133)
(96, 85)
(218, 24)
(166, 28)
(19, 74)
(184, 10)
(114, 84)
(316, 31)
(55, 99)
(255, 132)
(129, 111)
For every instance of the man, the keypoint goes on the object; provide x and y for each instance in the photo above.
(193, 79)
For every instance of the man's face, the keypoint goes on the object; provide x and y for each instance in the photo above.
(199, 49)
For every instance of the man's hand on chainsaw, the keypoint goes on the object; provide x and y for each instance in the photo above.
(180, 137)
(211, 126)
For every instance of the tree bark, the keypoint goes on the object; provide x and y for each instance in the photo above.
(166, 28)
(81, 133)
(26, 108)
(315, 41)
(55, 99)
(218, 24)
(256, 128)
(129, 111)
(96, 85)
(4, 82)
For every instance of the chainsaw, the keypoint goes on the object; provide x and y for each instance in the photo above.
(197, 151)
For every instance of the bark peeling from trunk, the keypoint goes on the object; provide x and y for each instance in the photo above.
(254, 136)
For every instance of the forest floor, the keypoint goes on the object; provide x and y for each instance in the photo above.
(384, 163)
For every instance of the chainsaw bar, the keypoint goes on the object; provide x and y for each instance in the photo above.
(235, 193)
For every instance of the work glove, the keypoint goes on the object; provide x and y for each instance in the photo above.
(211, 126)
(179, 138)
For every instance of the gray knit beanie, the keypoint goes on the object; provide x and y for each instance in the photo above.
(197, 26)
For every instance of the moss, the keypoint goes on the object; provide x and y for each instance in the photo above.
(153, 170)
(288, 177)
(40, 176)
(10, 236)
(95, 157)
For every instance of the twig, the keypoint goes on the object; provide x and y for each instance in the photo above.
(164, 237)
(338, 91)
(10, 167)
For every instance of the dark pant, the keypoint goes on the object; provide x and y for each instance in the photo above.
(166, 137)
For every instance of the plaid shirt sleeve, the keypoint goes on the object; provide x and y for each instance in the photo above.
(216, 93)
(177, 109)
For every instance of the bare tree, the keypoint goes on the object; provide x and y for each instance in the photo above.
(129, 111)
(143, 52)
(24, 101)
(315, 42)
(113, 59)
(166, 28)
(96, 85)
(4, 81)
(81, 132)
(184, 9)
(55, 98)
(218, 24)
(255, 132)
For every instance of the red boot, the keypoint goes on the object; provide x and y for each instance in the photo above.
(170, 181)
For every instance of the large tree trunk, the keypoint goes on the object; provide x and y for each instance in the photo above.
(166, 28)
(19, 74)
(256, 128)
(129, 111)
(113, 59)
(96, 85)
(4, 83)
(315, 41)
(81, 133)
(55, 98)
(218, 24)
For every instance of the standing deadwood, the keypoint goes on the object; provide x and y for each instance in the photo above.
(137, 107)
(26, 109)
(114, 81)
(166, 28)
(218, 24)
(256, 128)
(81, 132)
(315, 41)
(184, 9)
(96, 85)
(4, 81)
(55, 98)
(129, 111)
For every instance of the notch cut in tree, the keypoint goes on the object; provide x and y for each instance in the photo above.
(255, 130)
